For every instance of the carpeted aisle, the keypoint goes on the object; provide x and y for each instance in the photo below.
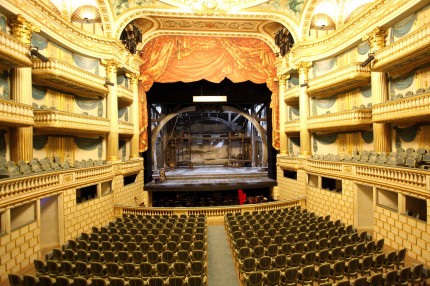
(221, 271)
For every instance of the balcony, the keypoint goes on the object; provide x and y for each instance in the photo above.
(126, 129)
(15, 114)
(292, 127)
(291, 96)
(339, 80)
(289, 163)
(132, 166)
(408, 109)
(405, 54)
(355, 119)
(125, 96)
(67, 77)
(61, 122)
(13, 53)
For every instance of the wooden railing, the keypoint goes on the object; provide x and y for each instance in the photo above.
(13, 113)
(211, 213)
(14, 52)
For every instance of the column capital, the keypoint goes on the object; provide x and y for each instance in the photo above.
(22, 29)
(134, 78)
(376, 38)
(112, 65)
(283, 78)
(303, 67)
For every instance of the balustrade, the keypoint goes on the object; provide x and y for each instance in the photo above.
(408, 52)
(292, 126)
(13, 53)
(339, 121)
(336, 81)
(125, 96)
(405, 109)
(16, 114)
(70, 123)
(67, 77)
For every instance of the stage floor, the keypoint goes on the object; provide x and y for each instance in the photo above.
(213, 178)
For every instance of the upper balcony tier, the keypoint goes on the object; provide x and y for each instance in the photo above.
(61, 122)
(15, 114)
(355, 119)
(125, 96)
(339, 80)
(408, 109)
(67, 77)
(291, 96)
(405, 54)
(292, 127)
(125, 129)
(13, 53)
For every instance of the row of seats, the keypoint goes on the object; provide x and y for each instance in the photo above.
(10, 169)
(419, 91)
(281, 262)
(409, 158)
(30, 280)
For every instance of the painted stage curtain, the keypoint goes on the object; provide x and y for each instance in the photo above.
(188, 59)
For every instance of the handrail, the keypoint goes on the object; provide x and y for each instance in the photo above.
(211, 213)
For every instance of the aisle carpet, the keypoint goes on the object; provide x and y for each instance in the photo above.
(221, 270)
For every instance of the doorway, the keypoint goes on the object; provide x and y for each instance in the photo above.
(49, 224)
(364, 212)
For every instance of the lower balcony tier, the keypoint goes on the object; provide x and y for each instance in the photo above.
(61, 122)
(15, 114)
(67, 77)
(356, 119)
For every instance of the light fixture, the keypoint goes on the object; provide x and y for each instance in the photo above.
(305, 83)
(210, 98)
(34, 51)
(370, 58)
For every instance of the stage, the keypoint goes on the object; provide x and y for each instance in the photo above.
(212, 178)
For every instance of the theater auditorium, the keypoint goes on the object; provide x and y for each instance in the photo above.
(214, 142)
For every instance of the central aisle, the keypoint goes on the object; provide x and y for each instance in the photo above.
(221, 270)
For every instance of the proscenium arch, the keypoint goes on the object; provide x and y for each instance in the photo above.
(260, 129)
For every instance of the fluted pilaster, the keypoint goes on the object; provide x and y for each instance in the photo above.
(305, 138)
(22, 137)
(283, 148)
(134, 150)
(112, 111)
(381, 131)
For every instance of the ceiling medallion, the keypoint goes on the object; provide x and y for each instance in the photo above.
(210, 7)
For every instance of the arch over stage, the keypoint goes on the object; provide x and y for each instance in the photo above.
(260, 129)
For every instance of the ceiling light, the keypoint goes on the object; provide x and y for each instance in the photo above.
(210, 98)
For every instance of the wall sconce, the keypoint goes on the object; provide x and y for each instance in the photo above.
(109, 83)
(305, 83)
(34, 51)
(370, 58)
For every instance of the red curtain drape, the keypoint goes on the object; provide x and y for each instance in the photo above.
(187, 59)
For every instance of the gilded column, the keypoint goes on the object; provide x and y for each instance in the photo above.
(283, 146)
(305, 138)
(134, 150)
(21, 90)
(381, 131)
(112, 110)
